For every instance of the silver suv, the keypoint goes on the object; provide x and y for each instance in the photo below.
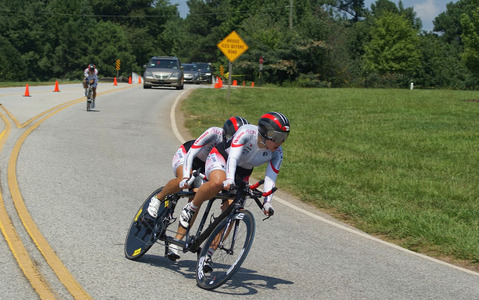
(163, 71)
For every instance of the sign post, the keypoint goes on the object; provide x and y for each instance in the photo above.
(261, 60)
(232, 47)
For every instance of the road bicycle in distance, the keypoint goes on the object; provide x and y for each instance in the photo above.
(230, 234)
(89, 96)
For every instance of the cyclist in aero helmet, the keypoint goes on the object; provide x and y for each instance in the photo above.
(192, 156)
(251, 146)
(91, 75)
(274, 126)
(231, 126)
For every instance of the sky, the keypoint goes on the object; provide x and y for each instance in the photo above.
(427, 10)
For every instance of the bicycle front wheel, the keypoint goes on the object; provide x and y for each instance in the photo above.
(142, 233)
(231, 241)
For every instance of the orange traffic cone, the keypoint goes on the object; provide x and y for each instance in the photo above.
(252, 84)
(27, 92)
(217, 85)
(244, 83)
(56, 87)
(139, 79)
(129, 80)
(235, 83)
(114, 81)
(221, 83)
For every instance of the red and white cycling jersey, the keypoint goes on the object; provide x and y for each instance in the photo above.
(245, 153)
(202, 147)
(85, 73)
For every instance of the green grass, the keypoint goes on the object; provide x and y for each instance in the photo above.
(397, 163)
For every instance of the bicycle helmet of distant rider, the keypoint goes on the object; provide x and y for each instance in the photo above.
(274, 126)
(91, 67)
(232, 125)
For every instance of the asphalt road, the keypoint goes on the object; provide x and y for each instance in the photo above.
(82, 176)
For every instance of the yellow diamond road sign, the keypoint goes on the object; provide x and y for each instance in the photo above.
(232, 46)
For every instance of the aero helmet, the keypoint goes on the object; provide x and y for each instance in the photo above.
(91, 67)
(231, 126)
(274, 126)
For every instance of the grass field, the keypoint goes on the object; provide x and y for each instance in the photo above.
(400, 164)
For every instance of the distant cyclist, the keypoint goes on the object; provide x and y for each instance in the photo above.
(192, 156)
(91, 76)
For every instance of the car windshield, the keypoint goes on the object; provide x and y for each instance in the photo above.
(189, 67)
(204, 67)
(163, 63)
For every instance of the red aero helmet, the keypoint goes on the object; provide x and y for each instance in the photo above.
(232, 125)
(274, 126)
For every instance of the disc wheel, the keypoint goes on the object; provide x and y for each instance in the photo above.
(143, 232)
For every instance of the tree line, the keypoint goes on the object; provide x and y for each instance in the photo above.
(306, 43)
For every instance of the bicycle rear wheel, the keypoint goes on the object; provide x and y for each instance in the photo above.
(142, 233)
(232, 240)
(88, 105)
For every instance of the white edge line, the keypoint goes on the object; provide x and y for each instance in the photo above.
(319, 218)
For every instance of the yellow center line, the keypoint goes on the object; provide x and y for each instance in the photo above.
(42, 244)
(17, 248)
(28, 122)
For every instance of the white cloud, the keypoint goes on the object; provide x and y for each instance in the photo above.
(427, 11)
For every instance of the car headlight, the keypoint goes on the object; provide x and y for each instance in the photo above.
(208, 74)
(148, 74)
(174, 75)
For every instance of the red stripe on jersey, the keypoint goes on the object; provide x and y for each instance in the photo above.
(183, 148)
(274, 169)
(215, 151)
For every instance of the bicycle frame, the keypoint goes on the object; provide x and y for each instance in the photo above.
(193, 243)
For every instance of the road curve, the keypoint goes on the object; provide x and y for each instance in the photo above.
(82, 176)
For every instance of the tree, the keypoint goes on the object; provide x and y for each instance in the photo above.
(355, 8)
(109, 43)
(12, 67)
(393, 48)
(71, 22)
(435, 68)
(470, 37)
(448, 23)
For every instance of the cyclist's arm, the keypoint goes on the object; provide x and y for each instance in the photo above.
(272, 171)
(234, 155)
(93, 78)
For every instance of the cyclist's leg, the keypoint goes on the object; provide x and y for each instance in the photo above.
(94, 92)
(85, 85)
(206, 191)
(173, 185)
(209, 189)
